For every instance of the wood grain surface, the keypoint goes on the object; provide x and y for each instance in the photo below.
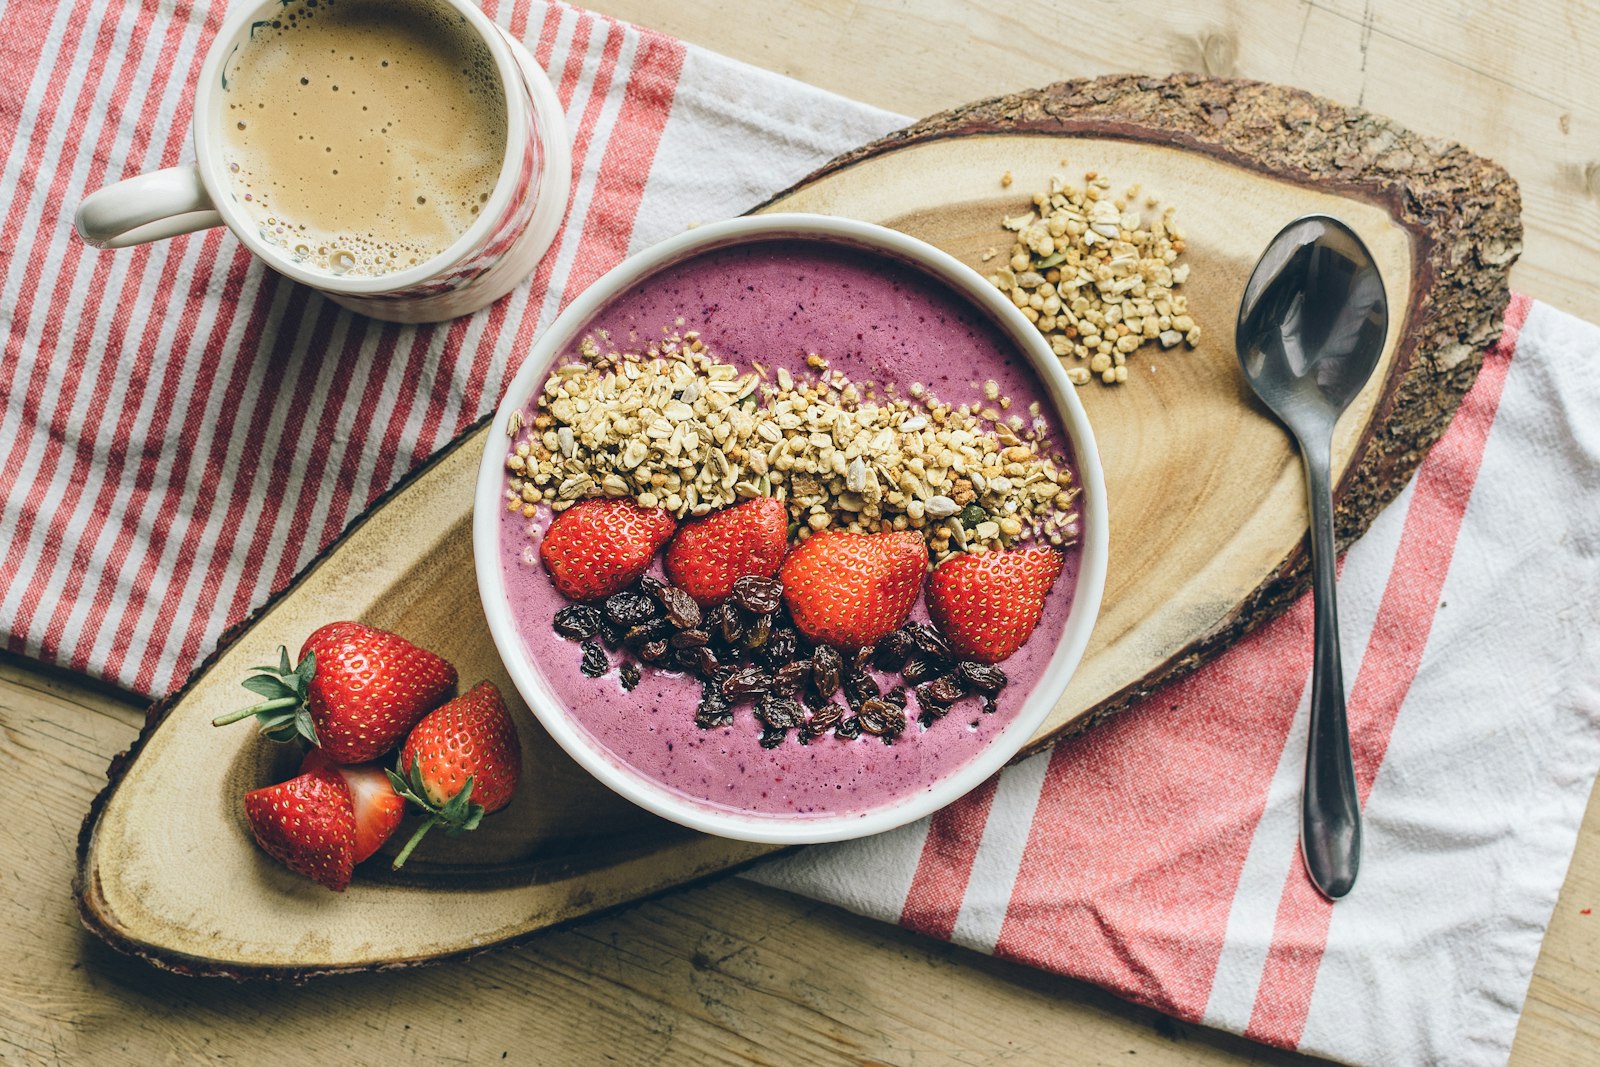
(736, 974)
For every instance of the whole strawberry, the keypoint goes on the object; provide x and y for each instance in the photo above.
(355, 692)
(307, 825)
(988, 604)
(460, 763)
(598, 547)
(849, 590)
(707, 556)
(377, 808)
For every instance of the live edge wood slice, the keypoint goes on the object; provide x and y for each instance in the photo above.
(1207, 519)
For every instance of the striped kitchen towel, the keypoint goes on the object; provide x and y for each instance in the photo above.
(183, 431)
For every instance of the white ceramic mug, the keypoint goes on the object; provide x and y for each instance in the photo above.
(500, 248)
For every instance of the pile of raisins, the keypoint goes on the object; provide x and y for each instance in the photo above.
(747, 650)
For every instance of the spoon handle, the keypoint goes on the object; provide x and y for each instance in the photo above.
(1330, 812)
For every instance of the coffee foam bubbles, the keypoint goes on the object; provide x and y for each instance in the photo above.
(363, 137)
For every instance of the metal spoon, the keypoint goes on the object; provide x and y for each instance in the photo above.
(1311, 328)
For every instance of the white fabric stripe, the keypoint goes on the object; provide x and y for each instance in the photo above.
(48, 244)
(1471, 819)
(158, 266)
(241, 444)
(282, 511)
(588, 175)
(881, 869)
(1270, 860)
(212, 513)
(994, 868)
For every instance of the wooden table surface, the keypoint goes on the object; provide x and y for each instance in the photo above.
(735, 973)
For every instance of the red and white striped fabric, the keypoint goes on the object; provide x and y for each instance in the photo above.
(182, 431)
(1158, 855)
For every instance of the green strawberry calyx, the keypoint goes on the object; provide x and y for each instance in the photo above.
(285, 714)
(457, 815)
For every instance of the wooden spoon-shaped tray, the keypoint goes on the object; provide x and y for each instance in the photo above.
(1207, 519)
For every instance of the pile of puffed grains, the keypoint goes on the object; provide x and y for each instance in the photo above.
(1097, 276)
(672, 427)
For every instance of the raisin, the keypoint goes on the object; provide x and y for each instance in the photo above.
(921, 669)
(859, 660)
(881, 718)
(650, 584)
(826, 665)
(824, 719)
(849, 729)
(652, 630)
(757, 595)
(778, 712)
(788, 678)
(631, 674)
(941, 692)
(981, 676)
(859, 688)
(611, 634)
(747, 682)
(892, 652)
(689, 639)
(759, 631)
(713, 711)
(782, 645)
(595, 660)
(772, 737)
(682, 612)
(932, 643)
(732, 624)
(701, 661)
(578, 622)
(628, 609)
(653, 651)
(990, 704)
(897, 697)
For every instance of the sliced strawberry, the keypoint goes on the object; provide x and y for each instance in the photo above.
(708, 555)
(355, 693)
(599, 547)
(849, 590)
(460, 763)
(988, 604)
(307, 824)
(378, 809)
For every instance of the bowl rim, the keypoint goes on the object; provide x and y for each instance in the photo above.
(780, 829)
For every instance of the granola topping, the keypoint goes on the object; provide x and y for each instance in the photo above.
(673, 427)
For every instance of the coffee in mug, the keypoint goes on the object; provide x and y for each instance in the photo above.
(363, 136)
(406, 157)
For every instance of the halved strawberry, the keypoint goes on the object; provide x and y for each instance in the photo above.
(708, 555)
(461, 762)
(850, 589)
(308, 825)
(601, 546)
(988, 604)
(355, 693)
(378, 809)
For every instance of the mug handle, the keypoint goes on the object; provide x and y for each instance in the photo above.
(149, 207)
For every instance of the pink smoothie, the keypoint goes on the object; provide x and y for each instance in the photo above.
(874, 319)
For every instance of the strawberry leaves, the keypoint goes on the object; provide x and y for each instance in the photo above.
(456, 815)
(284, 713)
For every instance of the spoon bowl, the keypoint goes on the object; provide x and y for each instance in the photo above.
(1310, 332)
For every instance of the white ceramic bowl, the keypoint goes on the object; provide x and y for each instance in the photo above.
(779, 829)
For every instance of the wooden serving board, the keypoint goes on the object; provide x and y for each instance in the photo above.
(1207, 520)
